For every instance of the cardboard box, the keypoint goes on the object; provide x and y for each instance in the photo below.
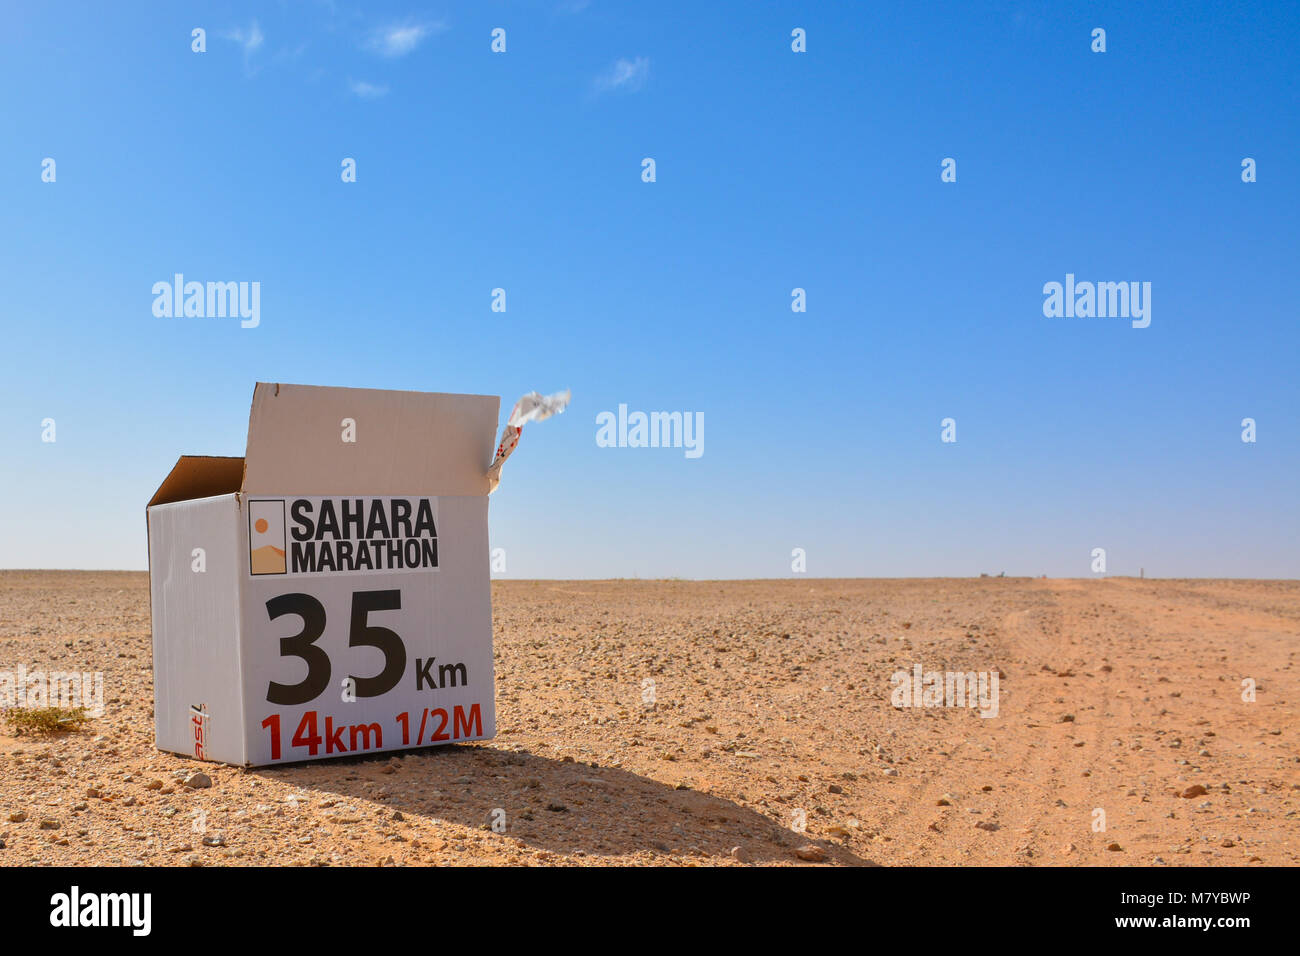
(328, 593)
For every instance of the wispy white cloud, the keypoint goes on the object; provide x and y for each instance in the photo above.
(399, 39)
(625, 75)
(367, 91)
(251, 39)
(290, 54)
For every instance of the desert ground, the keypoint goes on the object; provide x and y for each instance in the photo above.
(772, 737)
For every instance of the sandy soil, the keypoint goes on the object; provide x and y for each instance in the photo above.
(772, 705)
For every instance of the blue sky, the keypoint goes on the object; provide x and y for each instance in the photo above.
(774, 170)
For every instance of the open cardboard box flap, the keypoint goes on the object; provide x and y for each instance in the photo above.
(406, 443)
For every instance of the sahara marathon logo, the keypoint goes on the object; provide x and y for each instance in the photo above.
(324, 535)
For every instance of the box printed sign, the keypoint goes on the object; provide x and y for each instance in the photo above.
(359, 644)
(351, 617)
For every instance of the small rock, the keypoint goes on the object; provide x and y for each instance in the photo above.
(198, 781)
(1115, 847)
(50, 824)
(1195, 790)
(18, 816)
(812, 853)
(739, 854)
(214, 839)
